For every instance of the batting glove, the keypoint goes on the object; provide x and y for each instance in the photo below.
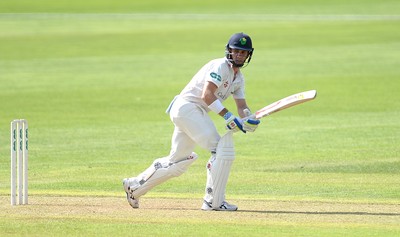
(250, 124)
(233, 123)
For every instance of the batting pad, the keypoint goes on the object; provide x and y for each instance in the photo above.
(160, 171)
(221, 167)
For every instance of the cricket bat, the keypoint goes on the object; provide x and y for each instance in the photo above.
(285, 103)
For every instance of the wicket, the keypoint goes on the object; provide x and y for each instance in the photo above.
(19, 161)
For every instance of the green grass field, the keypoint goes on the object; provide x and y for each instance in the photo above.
(93, 78)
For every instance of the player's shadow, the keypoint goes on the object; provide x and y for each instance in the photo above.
(324, 213)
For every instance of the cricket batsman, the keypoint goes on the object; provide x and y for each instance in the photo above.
(209, 87)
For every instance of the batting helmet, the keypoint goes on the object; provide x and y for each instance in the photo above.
(239, 41)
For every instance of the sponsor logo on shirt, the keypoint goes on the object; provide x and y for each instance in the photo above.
(215, 76)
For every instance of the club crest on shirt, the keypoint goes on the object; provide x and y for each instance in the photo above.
(226, 84)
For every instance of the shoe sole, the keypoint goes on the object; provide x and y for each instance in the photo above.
(136, 205)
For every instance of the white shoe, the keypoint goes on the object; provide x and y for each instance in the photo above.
(131, 200)
(224, 207)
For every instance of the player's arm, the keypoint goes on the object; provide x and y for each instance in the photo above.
(232, 122)
(241, 106)
(209, 97)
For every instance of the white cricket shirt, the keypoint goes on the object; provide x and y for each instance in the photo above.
(219, 72)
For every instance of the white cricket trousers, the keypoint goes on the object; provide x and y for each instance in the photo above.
(193, 127)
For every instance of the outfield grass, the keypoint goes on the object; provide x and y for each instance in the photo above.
(94, 78)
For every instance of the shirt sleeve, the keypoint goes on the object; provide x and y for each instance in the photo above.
(215, 74)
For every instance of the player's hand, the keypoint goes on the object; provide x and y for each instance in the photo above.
(233, 123)
(250, 124)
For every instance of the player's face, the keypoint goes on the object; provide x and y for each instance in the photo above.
(239, 56)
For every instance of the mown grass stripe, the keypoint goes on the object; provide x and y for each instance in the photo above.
(184, 16)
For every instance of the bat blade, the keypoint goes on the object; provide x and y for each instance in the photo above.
(286, 102)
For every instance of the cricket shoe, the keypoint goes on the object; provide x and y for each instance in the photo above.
(224, 207)
(131, 200)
